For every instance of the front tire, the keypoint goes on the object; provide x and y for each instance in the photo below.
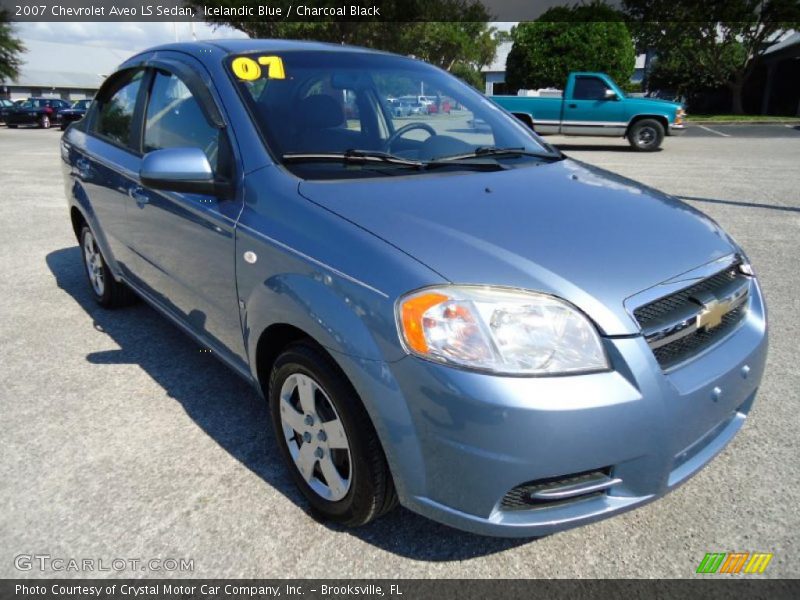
(327, 439)
(646, 135)
(107, 292)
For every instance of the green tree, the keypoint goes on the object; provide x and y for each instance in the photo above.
(10, 49)
(709, 44)
(452, 34)
(591, 37)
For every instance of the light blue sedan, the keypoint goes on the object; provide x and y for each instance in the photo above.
(460, 320)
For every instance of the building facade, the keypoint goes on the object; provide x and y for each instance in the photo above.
(57, 70)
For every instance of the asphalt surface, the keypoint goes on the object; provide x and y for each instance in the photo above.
(122, 439)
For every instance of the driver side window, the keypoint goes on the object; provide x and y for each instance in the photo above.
(589, 88)
(174, 119)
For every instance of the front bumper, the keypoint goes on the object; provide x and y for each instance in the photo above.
(24, 118)
(458, 441)
(677, 128)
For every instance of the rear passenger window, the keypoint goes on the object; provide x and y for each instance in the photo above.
(115, 117)
(175, 120)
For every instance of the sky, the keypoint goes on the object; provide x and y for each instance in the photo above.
(133, 36)
(125, 36)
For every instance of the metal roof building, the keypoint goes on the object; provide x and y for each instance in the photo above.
(68, 71)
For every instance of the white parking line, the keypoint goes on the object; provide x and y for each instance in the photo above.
(714, 131)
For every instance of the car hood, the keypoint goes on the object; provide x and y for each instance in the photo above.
(656, 101)
(564, 228)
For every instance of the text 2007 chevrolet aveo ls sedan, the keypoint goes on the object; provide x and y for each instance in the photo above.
(464, 321)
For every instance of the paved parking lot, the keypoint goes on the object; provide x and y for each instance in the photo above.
(765, 130)
(121, 439)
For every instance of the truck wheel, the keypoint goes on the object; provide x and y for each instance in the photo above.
(44, 122)
(327, 439)
(108, 292)
(646, 135)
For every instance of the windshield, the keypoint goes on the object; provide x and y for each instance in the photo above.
(309, 103)
(82, 104)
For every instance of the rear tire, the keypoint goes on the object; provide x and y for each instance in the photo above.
(323, 429)
(646, 135)
(44, 122)
(12, 126)
(107, 292)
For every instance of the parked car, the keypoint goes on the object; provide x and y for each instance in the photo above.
(417, 106)
(5, 105)
(43, 112)
(74, 113)
(470, 323)
(398, 108)
(594, 105)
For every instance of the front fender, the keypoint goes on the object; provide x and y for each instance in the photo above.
(319, 306)
(336, 315)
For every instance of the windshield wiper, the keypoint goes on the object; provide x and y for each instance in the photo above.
(485, 151)
(361, 157)
(357, 157)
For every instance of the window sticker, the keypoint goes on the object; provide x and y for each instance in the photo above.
(274, 66)
(248, 69)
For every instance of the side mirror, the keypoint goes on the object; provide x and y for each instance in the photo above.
(179, 170)
(611, 95)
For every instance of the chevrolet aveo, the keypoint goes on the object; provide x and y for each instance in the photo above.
(463, 321)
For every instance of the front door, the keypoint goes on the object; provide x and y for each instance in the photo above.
(185, 243)
(590, 111)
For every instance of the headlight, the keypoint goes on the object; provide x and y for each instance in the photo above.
(499, 330)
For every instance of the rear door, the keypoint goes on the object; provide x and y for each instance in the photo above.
(184, 244)
(106, 165)
(588, 111)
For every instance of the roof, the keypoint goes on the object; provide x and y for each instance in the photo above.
(498, 65)
(51, 64)
(789, 42)
(248, 46)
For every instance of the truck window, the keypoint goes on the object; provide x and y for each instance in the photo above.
(589, 88)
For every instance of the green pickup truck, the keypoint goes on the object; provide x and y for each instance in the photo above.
(594, 105)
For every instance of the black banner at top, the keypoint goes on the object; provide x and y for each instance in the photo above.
(275, 10)
(281, 10)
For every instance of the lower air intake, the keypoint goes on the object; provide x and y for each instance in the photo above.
(555, 491)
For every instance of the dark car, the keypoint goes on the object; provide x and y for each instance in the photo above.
(5, 106)
(74, 113)
(36, 111)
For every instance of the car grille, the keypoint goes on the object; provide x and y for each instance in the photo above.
(648, 313)
(684, 348)
(682, 308)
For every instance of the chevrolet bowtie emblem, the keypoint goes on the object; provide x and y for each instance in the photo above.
(712, 313)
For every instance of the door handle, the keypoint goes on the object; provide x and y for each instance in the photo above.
(572, 106)
(139, 195)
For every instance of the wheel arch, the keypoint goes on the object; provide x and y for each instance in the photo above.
(526, 118)
(662, 119)
(78, 221)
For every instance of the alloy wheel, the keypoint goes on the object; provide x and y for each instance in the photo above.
(646, 136)
(315, 436)
(94, 263)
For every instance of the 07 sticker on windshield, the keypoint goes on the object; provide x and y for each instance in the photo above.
(250, 69)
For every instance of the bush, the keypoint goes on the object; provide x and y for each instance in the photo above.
(583, 38)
